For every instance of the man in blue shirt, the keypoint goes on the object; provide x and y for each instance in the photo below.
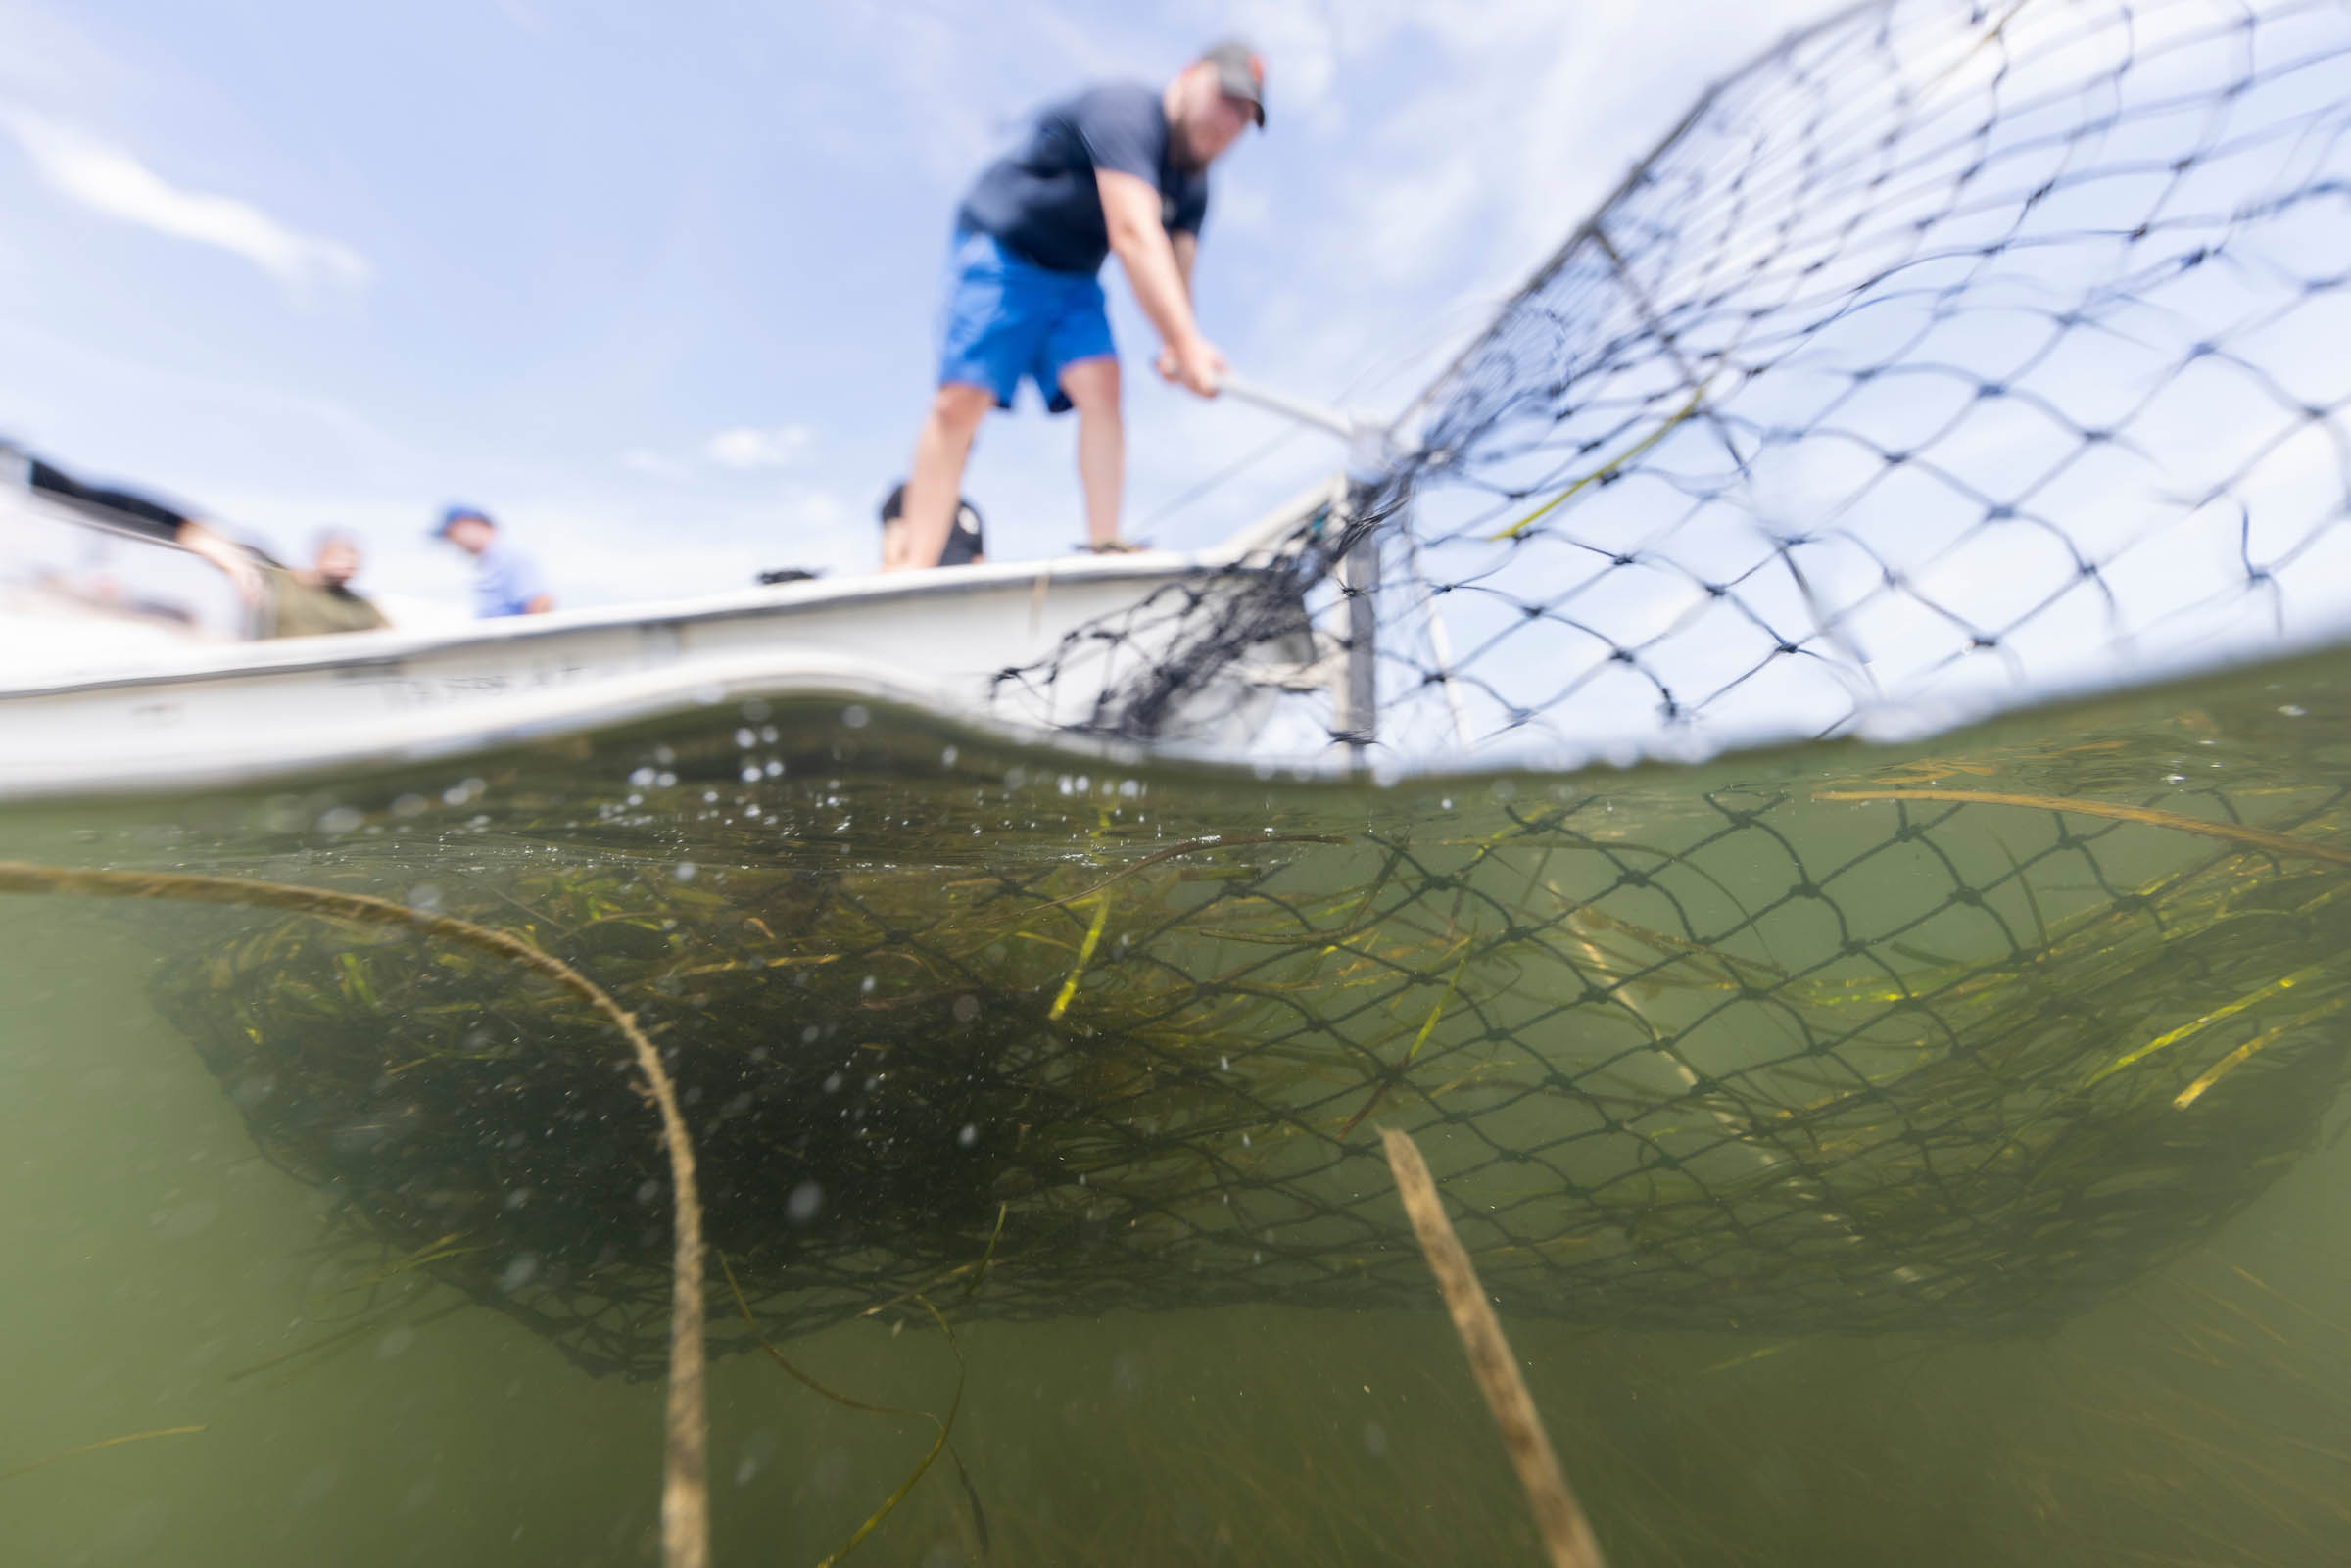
(505, 581)
(1116, 170)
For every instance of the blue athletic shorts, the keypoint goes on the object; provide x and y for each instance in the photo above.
(1007, 318)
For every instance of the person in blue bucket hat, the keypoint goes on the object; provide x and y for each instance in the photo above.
(506, 580)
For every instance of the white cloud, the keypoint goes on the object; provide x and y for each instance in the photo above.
(107, 179)
(745, 448)
(742, 449)
(651, 464)
(526, 16)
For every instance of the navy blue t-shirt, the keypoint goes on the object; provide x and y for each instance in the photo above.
(1041, 201)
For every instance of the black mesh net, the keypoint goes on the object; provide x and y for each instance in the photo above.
(1728, 1053)
(1948, 353)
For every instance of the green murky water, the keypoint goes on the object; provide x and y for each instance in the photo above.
(1927, 1178)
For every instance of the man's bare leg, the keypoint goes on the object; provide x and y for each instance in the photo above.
(1092, 385)
(937, 479)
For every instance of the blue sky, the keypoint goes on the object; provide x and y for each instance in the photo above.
(656, 284)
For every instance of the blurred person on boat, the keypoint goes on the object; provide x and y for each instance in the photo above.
(318, 599)
(1119, 168)
(280, 601)
(506, 580)
(142, 513)
(966, 545)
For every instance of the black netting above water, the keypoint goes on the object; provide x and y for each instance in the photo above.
(1949, 351)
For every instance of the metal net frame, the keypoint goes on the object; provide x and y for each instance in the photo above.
(1948, 355)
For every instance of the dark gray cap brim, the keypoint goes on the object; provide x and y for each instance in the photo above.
(1240, 74)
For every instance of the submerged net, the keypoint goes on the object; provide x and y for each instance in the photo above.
(1729, 1057)
(1949, 353)
(1948, 349)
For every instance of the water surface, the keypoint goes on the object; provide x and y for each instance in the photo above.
(1924, 1178)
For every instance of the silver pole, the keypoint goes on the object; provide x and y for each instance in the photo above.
(1243, 390)
(1355, 695)
(1358, 689)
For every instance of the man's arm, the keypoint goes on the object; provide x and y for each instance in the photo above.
(1186, 245)
(1130, 212)
(234, 563)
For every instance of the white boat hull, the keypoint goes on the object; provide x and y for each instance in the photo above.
(947, 640)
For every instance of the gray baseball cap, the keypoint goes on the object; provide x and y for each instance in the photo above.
(1240, 74)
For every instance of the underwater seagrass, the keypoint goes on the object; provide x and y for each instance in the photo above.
(1152, 1077)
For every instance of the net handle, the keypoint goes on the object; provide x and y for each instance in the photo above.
(1319, 415)
(1367, 451)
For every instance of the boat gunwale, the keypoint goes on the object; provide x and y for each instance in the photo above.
(1252, 550)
